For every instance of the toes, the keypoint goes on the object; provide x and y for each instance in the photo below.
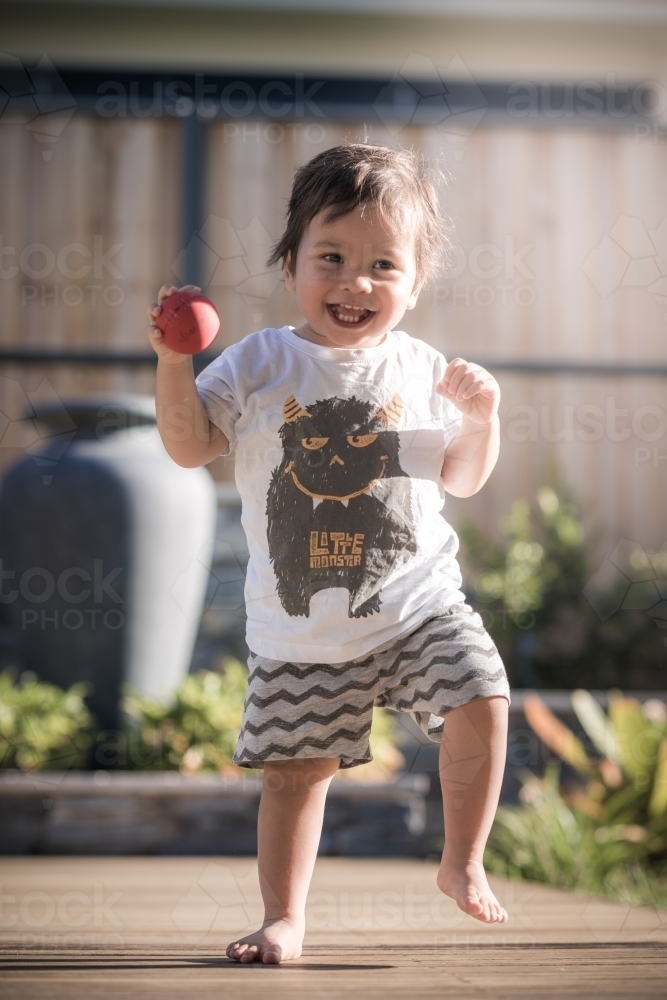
(272, 955)
(236, 950)
(472, 894)
(484, 909)
(475, 905)
(498, 914)
(250, 955)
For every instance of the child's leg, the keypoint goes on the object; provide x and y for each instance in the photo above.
(289, 828)
(472, 760)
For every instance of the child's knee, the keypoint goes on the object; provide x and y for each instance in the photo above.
(298, 775)
(491, 706)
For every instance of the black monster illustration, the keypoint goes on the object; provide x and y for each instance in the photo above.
(325, 526)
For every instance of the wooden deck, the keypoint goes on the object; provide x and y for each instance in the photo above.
(157, 927)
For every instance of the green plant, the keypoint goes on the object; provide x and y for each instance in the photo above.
(608, 833)
(196, 731)
(529, 588)
(548, 840)
(41, 726)
(543, 555)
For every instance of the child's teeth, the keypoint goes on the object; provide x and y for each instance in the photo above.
(342, 312)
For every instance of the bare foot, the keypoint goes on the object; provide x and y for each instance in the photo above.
(276, 941)
(466, 884)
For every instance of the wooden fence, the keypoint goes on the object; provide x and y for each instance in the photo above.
(559, 261)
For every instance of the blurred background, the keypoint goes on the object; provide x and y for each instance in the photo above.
(153, 141)
(145, 142)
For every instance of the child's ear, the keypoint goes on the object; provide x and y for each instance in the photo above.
(412, 301)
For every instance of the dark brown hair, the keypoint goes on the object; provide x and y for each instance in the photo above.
(397, 182)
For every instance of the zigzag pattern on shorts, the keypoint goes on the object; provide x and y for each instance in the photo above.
(303, 671)
(412, 654)
(408, 704)
(307, 709)
(298, 697)
(289, 726)
(279, 750)
(450, 661)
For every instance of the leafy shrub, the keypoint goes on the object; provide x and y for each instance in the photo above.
(529, 589)
(548, 840)
(196, 732)
(607, 834)
(41, 726)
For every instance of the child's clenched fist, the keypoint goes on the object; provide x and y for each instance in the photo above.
(472, 389)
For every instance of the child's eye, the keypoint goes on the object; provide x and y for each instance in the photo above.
(383, 265)
(332, 258)
(312, 444)
(361, 440)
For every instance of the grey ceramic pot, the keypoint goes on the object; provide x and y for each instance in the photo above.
(106, 547)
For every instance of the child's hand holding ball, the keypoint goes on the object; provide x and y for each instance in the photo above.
(183, 321)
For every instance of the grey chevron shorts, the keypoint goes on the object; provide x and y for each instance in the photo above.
(325, 709)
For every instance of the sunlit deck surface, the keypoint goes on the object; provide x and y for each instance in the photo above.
(157, 928)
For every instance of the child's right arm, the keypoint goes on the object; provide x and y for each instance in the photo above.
(189, 437)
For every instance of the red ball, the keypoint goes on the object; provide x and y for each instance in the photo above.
(189, 322)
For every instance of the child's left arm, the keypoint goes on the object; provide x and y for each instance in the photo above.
(473, 453)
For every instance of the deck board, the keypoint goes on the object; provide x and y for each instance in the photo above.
(157, 928)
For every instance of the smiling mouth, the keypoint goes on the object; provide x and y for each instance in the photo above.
(348, 315)
(346, 496)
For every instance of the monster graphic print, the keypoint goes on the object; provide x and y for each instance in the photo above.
(325, 526)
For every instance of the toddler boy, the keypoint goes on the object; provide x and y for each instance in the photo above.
(347, 436)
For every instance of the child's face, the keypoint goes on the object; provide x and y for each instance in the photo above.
(353, 279)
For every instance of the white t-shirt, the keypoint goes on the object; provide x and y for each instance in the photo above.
(338, 460)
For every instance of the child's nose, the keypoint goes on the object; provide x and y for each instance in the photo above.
(353, 281)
